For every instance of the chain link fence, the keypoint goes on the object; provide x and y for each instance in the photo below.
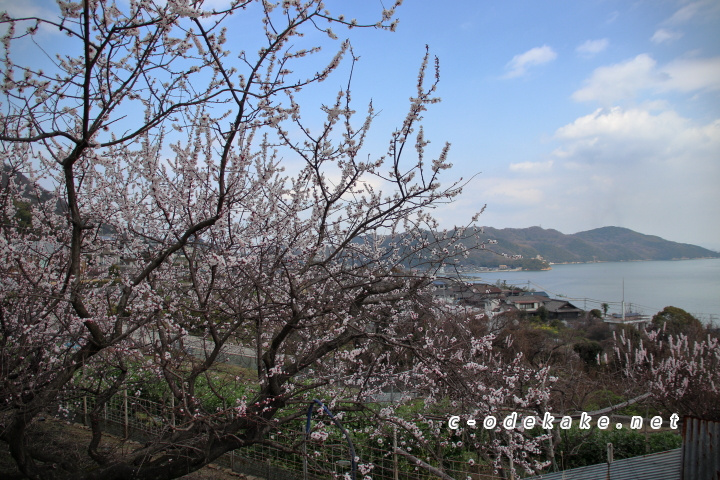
(139, 419)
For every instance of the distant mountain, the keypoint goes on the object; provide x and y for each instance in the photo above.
(606, 244)
(25, 187)
(29, 194)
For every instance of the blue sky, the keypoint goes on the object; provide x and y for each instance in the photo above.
(575, 114)
(569, 115)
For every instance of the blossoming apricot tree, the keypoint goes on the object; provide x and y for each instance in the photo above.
(145, 202)
(682, 375)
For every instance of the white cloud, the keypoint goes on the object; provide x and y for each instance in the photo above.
(518, 66)
(621, 124)
(689, 11)
(653, 171)
(663, 35)
(692, 74)
(612, 17)
(31, 9)
(619, 81)
(531, 167)
(638, 137)
(21, 9)
(525, 192)
(627, 79)
(592, 47)
(641, 169)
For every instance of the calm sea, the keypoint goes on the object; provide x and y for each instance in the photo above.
(693, 285)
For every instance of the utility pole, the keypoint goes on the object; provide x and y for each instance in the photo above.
(623, 300)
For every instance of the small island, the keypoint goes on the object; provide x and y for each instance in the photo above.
(540, 248)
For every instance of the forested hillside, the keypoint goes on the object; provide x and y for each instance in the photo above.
(606, 244)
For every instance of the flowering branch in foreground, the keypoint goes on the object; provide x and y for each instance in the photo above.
(149, 224)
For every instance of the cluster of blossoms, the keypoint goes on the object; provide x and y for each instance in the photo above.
(682, 375)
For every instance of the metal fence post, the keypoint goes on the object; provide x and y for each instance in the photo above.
(396, 472)
(305, 462)
(126, 426)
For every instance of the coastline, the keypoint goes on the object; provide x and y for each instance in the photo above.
(683, 259)
(692, 285)
(473, 270)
